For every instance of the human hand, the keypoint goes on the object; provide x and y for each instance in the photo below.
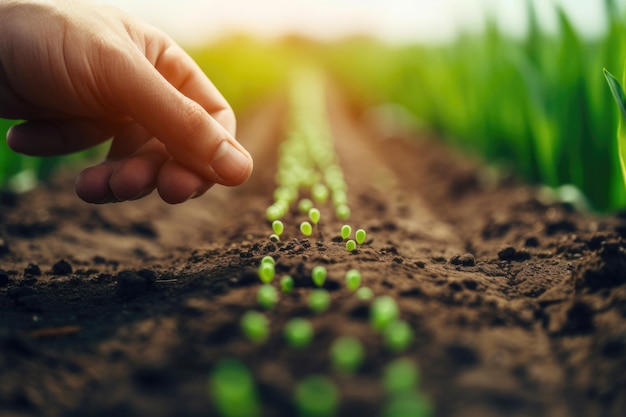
(80, 73)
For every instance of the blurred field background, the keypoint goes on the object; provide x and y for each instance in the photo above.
(523, 90)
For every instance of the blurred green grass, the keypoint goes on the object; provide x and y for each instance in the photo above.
(538, 104)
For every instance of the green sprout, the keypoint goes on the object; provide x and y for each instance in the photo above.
(350, 245)
(268, 259)
(410, 403)
(306, 228)
(364, 293)
(305, 205)
(319, 300)
(266, 272)
(347, 354)
(353, 279)
(255, 326)
(278, 227)
(274, 238)
(233, 390)
(383, 312)
(346, 230)
(319, 192)
(286, 284)
(400, 376)
(398, 336)
(273, 213)
(316, 396)
(342, 212)
(298, 332)
(267, 296)
(360, 236)
(318, 275)
(314, 215)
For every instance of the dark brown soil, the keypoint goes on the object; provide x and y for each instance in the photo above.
(518, 306)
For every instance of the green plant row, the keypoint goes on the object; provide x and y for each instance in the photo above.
(538, 104)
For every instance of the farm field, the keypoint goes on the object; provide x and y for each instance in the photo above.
(516, 304)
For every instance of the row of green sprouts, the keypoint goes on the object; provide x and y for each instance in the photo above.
(309, 180)
(232, 385)
(308, 171)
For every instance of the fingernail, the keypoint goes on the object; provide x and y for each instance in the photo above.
(230, 165)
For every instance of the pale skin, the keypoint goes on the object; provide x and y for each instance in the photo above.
(80, 73)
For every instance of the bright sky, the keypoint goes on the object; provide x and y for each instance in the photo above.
(195, 21)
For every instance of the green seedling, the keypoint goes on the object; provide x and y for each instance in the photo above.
(266, 272)
(274, 238)
(346, 231)
(342, 212)
(298, 332)
(413, 404)
(319, 300)
(319, 192)
(384, 311)
(232, 390)
(400, 376)
(255, 326)
(398, 336)
(268, 259)
(350, 245)
(346, 354)
(316, 396)
(360, 236)
(273, 213)
(305, 205)
(306, 228)
(353, 279)
(364, 294)
(278, 227)
(286, 284)
(318, 275)
(267, 296)
(314, 215)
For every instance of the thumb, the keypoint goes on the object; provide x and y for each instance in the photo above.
(190, 134)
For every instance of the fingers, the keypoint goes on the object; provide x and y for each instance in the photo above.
(191, 135)
(135, 176)
(51, 138)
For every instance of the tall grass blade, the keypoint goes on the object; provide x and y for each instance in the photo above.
(620, 99)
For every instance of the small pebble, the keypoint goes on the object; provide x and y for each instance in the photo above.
(62, 267)
(32, 269)
(467, 259)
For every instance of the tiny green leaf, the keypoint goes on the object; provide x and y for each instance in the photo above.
(318, 275)
(346, 230)
(314, 215)
(353, 279)
(347, 354)
(306, 228)
(305, 205)
(266, 272)
(399, 376)
(364, 293)
(398, 336)
(268, 259)
(383, 311)
(278, 227)
(618, 92)
(286, 284)
(408, 403)
(255, 326)
(267, 296)
(232, 390)
(319, 192)
(319, 300)
(342, 212)
(350, 245)
(360, 236)
(274, 238)
(298, 332)
(316, 396)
